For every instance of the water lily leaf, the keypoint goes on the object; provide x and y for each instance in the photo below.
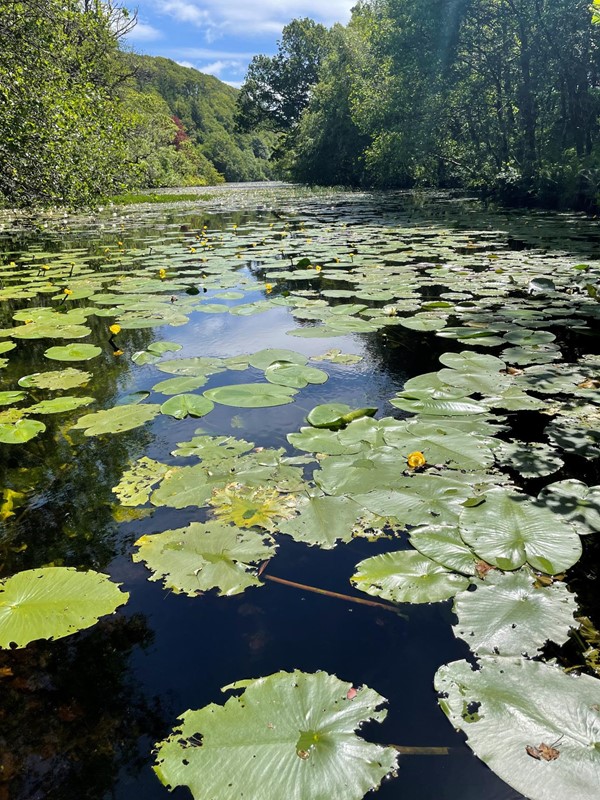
(335, 356)
(264, 358)
(207, 556)
(69, 378)
(529, 459)
(6, 347)
(424, 323)
(303, 723)
(60, 405)
(574, 436)
(179, 385)
(525, 337)
(56, 329)
(509, 529)
(73, 352)
(249, 507)
(159, 348)
(136, 483)
(438, 403)
(323, 521)
(522, 704)
(444, 544)
(213, 450)
(117, 419)
(195, 367)
(22, 430)
(251, 395)
(54, 602)
(321, 440)
(444, 445)
(406, 576)
(474, 372)
(509, 615)
(8, 398)
(284, 373)
(575, 502)
(184, 486)
(132, 398)
(336, 415)
(187, 405)
(515, 399)
(143, 357)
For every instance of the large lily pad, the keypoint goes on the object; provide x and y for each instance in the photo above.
(251, 395)
(187, 405)
(323, 521)
(405, 576)
(202, 557)
(508, 530)
(73, 352)
(521, 705)
(117, 419)
(284, 373)
(53, 602)
(511, 615)
(575, 502)
(136, 483)
(22, 430)
(289, 735)
(63, 379)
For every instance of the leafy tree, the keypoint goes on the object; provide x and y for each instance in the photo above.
(277, 89)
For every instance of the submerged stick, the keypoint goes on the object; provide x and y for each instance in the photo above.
(425, 751)
(348, 598)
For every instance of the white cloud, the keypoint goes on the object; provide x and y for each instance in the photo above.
(186, 64)
(259, 17)
(144, 33)
(217, 68)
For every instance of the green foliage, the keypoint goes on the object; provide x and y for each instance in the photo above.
(305, 724)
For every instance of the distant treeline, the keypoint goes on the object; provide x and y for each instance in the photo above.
(80, 119)
(496, 95)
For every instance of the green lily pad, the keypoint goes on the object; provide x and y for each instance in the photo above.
(117, 419)
(521, 705)
(73, 352)
(20, 431)
(207, 556)
(529, 459)
(323, 521)
(8, 398)
(509, 615)
(63, 379)
(284, 373)
(406, 576)
(187, 405)
(443, 544)
(251, 395)
(264, 358)
(179, 385)
(60, 405)
(438, 403)
(53, 602)
(136, 483)
(508, 530)
(336, 415)
(302, 723)
(574, 501)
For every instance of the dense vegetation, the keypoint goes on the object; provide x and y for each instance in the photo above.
(501, 95)
(80, 119)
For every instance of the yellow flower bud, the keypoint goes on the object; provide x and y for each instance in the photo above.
(114, 329)
(416, 460)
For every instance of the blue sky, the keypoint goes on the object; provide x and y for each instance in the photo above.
(220, 37)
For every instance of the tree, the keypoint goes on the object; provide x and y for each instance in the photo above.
(277, 89)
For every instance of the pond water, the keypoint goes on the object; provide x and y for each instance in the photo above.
(395, 280)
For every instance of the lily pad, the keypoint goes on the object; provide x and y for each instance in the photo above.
(575, 502)
(117, 419)
(405, 576)
(136, 483)
(207, 556)
(510, 615)
(508, 530)
(529, 459)
(336, 415)
(521, 705)
(443, 544)
(284, 373)
(54, 602)
(251, 395)
(187, 405)
(73, 352)
(20, 431)
(63, 379)
(305, 724)
(264, 358)
(59, 405)
(323, 521)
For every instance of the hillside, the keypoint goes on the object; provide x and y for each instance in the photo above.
(204, 108)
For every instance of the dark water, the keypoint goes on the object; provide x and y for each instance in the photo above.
(79, 717)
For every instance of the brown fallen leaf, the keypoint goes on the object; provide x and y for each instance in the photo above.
(482, 568)
(543, 752)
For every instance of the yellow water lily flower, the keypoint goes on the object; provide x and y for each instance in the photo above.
(117, 353)
(162, 273)
(318, 267)
(114, 329)
(416, 460)
(68, 291)
(268, 288)
(45, 266)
